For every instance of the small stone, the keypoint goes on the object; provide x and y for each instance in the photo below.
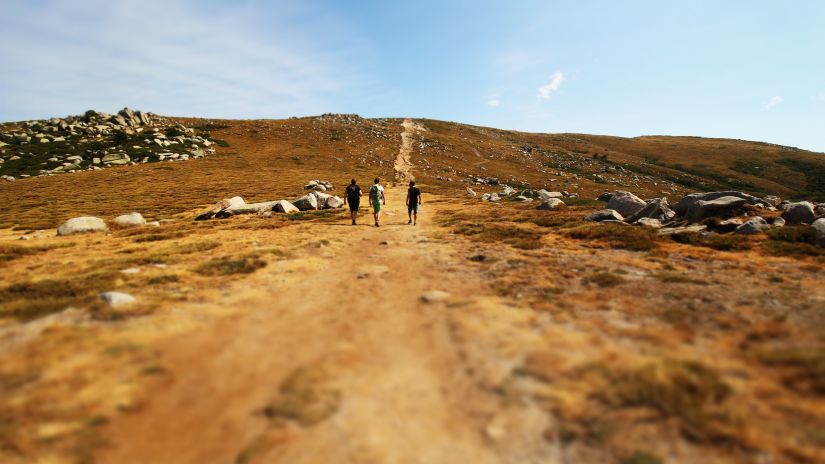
(130, 220)
(117, 298)
(477, 258)
(434, 296)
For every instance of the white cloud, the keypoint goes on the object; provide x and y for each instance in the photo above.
(493, 101)
(774, 101)
(553, 86)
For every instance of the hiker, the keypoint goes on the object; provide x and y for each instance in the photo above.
(413, 202)
(353, 197)
(376, 200)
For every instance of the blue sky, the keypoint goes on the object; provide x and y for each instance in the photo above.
(739, 69)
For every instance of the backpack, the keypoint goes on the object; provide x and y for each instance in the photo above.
(375, 193)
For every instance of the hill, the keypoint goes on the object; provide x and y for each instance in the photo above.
(488, 332)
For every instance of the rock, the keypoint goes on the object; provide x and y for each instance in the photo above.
(773, 200)
(798, 213)
(551, 204)
(130, 220)
(648, 222)
(283, 206)
(605, 215)
(778, 222)
(117, 298)
(81, 225)
(819, 232)
(116, 158)
(7, 178)
(728, 225)
(334, 202)
(247, 208)
(319, 188)
(322, 199)
(681, 208)
(658, 208)
(723, 207)
(545, 195)
(471, 193)
(754, 226)
(225, 204)
(494, 197)
(605, 197)
(153, 224)
(478, 258)
(681, 230)
(306, 203)
(434, 296)
(507, 191)
(522, 199)
(625, 203)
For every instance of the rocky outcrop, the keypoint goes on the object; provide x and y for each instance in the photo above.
(551, 204)
(625, 203)
(754, 226)
(283, 206)
(306, 203)
(605, 215)
(686, 203)
(82, 225)
(658, 209)
(798, 213)
(724, 207)
(819, 232)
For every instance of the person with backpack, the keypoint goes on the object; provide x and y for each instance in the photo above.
(353, 196)
(376, 200)
(413, 202)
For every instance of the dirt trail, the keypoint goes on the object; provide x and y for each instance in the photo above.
(403, 164)
(383, 375)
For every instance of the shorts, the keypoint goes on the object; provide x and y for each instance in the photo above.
(376, 206)
(354, 206)
(413, 208)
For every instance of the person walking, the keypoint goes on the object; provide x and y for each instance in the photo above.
(377, 200)
(353, 197)
(413, 202)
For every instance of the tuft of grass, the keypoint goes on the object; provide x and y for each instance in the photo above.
(642, 457)
(516, 237)
(618, 236)
(792, 241)
(305, 397)
(163, 279)
(11, 252)
(158, 236)
(676, 278)
(192, 247)
(687, 390)
(793, 234)
(807, 366)
(324, 214)
(604, 279)
(230, 265)
(580, 201)
(714, 241)
(30, 300)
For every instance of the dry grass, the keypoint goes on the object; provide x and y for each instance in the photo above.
(11, 252)
(805, 366)
(230, 265)
(32, 299)
(618, 236)
(517, 237)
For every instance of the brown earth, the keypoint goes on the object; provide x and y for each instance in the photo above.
(305, 339)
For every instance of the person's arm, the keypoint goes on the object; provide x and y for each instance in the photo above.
(419, 197)
(383, 198)
(345, 198)
(370, 197)
(408, 198)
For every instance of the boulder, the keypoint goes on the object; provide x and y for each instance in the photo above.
(658, 208)
(605, 197)
(754, 226)
(283, 206)
(319, 188)
(485, 197)
(130, 220)
(249, 208)
(227, 203)
(522, 199)
(625, 203)
(723, 207)
(683, 229)
(306, 203)
(686, 203)
(819, 232)
(117, 298)
(648, 222)
(778, 222)
(545, 195)
(116, 158)
(551, 204)
(605, 215)
(334, 202)
(507, 191)
(494, 197)
(798, 213)
(80, 225)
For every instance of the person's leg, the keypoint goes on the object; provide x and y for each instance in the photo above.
(409, 214)
(415, 215)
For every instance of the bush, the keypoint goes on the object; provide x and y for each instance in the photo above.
(618, 236)
(516, 237)
(231, 265)
(604, 279)
(715, 241)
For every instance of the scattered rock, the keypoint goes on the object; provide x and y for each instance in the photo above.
(778, 222)
(754, 226)
(306, 203)
(283, 206)
(682, 230)
(117, 298)
(819, 232)
(545, 195)
(658, 208)
(605, 197)
(81, 225)
(687, 202)
(116, 159)
(434, 296)
(724, 207)
(153, 224)
(648, 222)
(471, 193)
(773, 200)
(334, 202)
(477, 258)
(130, 220)
(551, 204)
(798, 213)
(605, 215)
(625, 203)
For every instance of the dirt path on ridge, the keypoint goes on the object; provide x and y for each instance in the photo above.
(403, 164)
(358, 368)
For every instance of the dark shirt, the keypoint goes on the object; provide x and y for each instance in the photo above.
(415, 196)
(353, 193)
